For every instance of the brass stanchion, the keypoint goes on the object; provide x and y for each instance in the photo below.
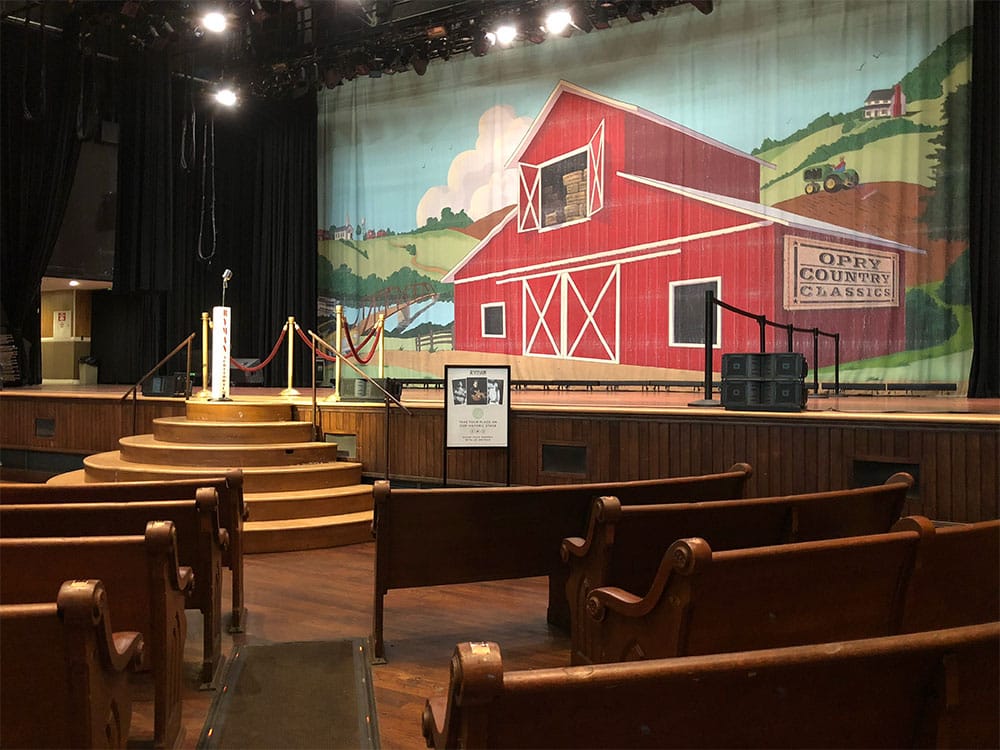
(290, 391)
(335, 396)
(205, 392)
(381, 345)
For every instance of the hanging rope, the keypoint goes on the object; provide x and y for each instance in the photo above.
(266, 362)
(28, 114)
(193, 119)
(208, 147)
(354, 350)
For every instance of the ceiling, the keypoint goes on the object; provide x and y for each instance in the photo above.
(275, 48)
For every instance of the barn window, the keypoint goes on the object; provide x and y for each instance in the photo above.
(687, 312)
(564, 190)
(494, 320)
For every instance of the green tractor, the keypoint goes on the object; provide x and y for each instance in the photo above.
(830, 178)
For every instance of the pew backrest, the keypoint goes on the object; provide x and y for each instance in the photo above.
(64, 675)
(937, 688)
(232, 511)
(431, 537)
(200, 542)
(956, 579)
(145, 585)
(703, 602)
(625, 545)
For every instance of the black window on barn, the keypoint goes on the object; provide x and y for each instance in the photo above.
(687, 312)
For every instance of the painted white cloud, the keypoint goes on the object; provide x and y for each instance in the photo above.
(477, 181)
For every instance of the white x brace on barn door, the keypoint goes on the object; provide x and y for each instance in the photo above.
(572, 314)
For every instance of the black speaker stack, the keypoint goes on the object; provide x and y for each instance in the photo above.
(772, 381)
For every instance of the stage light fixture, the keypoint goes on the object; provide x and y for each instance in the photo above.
(481, 42)
(558, 21)
(419, 63)
(214, 21)
(505, 34)
(226, 97)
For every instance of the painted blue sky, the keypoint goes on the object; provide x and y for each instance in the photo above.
(752, 69)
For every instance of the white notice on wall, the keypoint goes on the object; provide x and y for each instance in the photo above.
(62, 324)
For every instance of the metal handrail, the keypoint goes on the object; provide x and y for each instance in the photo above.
(133, 391)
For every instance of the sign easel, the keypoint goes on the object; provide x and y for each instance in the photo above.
(476, 410)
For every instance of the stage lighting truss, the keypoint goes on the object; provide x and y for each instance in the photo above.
(275, 48)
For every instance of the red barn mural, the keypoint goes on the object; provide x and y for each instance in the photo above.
(625, 219)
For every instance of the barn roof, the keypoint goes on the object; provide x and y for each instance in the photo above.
(777, 215)
(565, 87)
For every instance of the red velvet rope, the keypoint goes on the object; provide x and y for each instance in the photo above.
(320, 354)
(354, 350)
(267, 361)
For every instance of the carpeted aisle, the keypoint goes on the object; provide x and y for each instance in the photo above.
(294, 695)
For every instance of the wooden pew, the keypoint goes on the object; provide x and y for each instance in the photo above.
(461, 535)
(232, 512)
(956, 579)
(64, 675)
(146, 588)
(624, 545)
(199, 546)
(928, 689)
(704, 602)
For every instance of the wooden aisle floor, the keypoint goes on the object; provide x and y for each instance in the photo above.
(327, 594)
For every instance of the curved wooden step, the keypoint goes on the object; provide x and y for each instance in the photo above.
(328, 501)
(238, 411)
(146, 449)
(184, 430)
(307, 533)
(109, 467)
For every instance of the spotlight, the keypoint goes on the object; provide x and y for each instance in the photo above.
(558, 21)
(214, 22)
(505, 34)
(419, 63)
(481, 43)
(226, 97)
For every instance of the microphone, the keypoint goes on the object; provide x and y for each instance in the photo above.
(227, 274)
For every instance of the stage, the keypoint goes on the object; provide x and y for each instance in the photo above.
(582, 433)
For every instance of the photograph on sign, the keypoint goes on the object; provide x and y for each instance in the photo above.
(477, 406)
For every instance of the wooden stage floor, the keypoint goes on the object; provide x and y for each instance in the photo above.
(624, 399)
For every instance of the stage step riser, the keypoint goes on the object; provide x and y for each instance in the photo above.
(237, 411)
(258, 539)
(179, 430)
(238, 456)
(268, 479)
(292, 507)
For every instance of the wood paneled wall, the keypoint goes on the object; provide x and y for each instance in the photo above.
(955, 456)
(955, 459)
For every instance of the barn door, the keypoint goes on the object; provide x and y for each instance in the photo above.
(572, 314)
(595, 171)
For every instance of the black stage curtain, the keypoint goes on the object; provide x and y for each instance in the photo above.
(40, 147)
(233, 190)
(984, 211)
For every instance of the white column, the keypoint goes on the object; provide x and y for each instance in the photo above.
(221, 337)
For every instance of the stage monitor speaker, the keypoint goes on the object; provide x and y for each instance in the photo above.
(240, 377)
(764, 366)
(764, 381)
(166, 385)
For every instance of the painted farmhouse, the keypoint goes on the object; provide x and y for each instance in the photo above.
(625, 219)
